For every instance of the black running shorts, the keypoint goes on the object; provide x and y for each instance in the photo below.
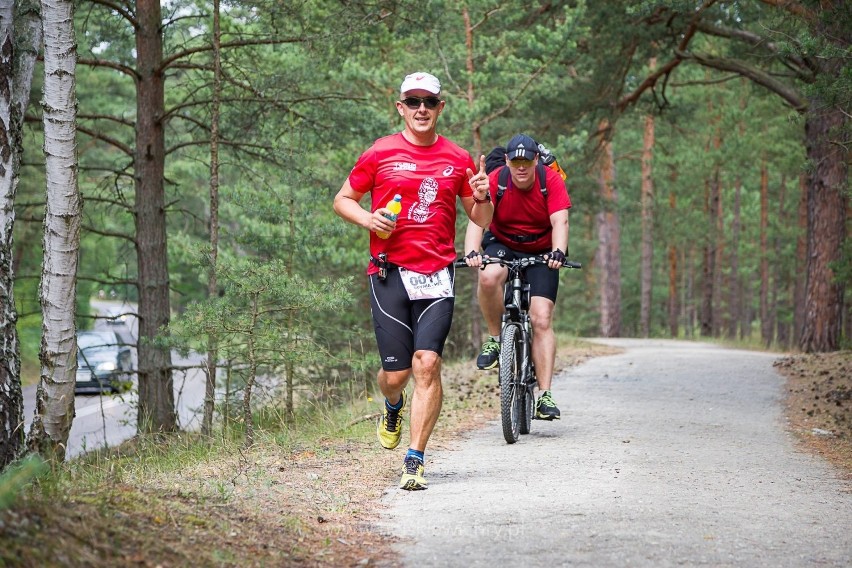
(404, 326)
(543, 281)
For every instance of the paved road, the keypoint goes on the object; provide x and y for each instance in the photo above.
(670, 454)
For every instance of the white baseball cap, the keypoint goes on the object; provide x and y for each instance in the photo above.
(421, 80)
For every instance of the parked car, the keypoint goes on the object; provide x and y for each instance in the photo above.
(103, 363)
(117, 315)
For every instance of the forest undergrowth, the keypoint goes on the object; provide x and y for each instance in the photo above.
(305, 496)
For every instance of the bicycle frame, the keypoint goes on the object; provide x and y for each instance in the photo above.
(517, 371)
(516, 367)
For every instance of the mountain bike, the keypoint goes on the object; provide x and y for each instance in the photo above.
(517, 371)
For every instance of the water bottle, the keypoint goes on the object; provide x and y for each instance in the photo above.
(395, 206)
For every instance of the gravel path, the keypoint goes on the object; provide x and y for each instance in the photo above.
(670, 454)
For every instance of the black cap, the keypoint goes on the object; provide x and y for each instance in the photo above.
(522, 147)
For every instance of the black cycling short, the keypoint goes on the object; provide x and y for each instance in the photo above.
(404, 326)
(543, 281)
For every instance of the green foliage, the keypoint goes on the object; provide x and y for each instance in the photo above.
(19, 475)
(308, 87)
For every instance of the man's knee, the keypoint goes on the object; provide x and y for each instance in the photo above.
(541, 315)
(427, 364)
(394, 379)
(491, 279)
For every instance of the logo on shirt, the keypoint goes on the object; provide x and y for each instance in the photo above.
(405, 166)
(448, 171)
(427, 193)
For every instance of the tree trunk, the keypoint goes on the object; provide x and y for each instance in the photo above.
(20, 40)
(734, 306)
(609, 246)
(212, 285)
(708, 266)
(718, 275)
(826, 228)
(747, 294)
(765, 324)
(252, 372)
(801, 261)
(292, 333)
(781, 284)
(647, 200)
(58, 290)
(674, 309)
(712, 248)
(156, 411)
(689, 301)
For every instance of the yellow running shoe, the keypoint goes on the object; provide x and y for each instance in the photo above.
(389, 425)
(412, 475)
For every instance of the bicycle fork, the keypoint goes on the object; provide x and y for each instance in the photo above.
(528, 374)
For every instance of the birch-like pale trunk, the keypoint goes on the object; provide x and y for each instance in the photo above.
(58, 355)
(20, 40)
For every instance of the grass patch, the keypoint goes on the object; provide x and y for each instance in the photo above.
(185, 501)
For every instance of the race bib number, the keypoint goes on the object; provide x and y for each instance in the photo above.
(427, 286)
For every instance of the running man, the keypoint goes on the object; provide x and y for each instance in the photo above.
(411, 273)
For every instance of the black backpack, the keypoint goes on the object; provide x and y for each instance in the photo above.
(496, 158)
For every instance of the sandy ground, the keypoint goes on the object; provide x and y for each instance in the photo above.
(671, 453)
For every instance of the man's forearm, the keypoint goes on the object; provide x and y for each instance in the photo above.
(481, 213)
(472, 237)
(560, 235)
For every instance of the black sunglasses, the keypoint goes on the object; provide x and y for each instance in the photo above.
(414, 102)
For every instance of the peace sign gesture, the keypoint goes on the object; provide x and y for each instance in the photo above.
(479, 181)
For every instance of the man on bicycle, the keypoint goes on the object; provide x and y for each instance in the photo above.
(529, 219)
(411, 271)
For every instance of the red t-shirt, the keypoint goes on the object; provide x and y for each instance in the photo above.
(527, 212)
(429, 179)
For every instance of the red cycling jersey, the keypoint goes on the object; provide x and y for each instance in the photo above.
(521, 215)
(429, 179)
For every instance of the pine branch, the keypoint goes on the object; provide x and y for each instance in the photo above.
(110, 65)
(792, 7)
(108, 139)
(109, 282)
(759, 76)
(666, 69)
(103, 233)
(122, 121)
(205, 48)
(803, 67)
(123, 12)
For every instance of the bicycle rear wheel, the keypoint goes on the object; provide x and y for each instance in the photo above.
(511, 394)
(527, 409)
(528, 404)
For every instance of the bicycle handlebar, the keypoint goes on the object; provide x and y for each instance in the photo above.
(526, 261)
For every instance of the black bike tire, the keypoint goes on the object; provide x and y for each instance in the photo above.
(528, 402)
(510, 394)
(527, 410)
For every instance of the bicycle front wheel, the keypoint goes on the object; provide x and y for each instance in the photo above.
(510, 383)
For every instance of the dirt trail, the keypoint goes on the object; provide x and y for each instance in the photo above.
(672, 453)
